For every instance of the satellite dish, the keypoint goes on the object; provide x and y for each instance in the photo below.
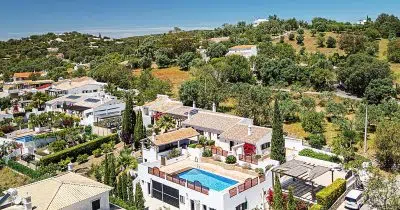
(17, 200)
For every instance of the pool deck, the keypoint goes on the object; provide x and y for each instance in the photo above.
(186, 164)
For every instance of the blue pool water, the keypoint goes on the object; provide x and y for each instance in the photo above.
(210, 180)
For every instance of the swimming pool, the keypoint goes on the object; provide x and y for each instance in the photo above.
(207, 179)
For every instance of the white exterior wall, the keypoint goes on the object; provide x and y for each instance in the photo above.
(89, 88)
(217, 200)
(267, 138)
(87, 204)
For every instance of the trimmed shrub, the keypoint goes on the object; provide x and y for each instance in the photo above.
(230, 159)
(316, 207)
(97, 152)
(260, 171)
(192, 146)
(73, 152)
(23, 169)
(318, 155)
(82, 158)
(207, 153)
(327, 196)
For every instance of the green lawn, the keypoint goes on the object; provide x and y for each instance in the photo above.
(10, 179)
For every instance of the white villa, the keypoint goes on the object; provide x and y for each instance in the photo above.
(75, 86)
(244, 50)
(68, 191)
(259, 21)
(175, 172)
(90, 107)
(229, 132)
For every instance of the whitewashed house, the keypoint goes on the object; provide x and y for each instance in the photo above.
(244, 50)
(75, 86)
(90, 107)
(68, 191)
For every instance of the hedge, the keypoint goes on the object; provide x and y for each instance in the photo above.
(319, 155)
(23, 169)
(316, 207)
(73, 152)
(121, 203)
(327, 196)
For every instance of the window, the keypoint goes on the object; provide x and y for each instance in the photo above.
(182, 199)
(212, 209)
(242, 206)
(266, 145)
(96, 204)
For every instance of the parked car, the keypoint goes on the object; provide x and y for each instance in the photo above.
(353, 199)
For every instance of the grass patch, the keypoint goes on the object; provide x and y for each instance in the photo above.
(310, 43)
(295, 130)
(171, 74)
(319, 155)
(11, 179)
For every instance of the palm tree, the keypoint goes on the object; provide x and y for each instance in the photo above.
(165, 123)
(19, 121)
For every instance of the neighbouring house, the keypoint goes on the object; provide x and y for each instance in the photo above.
(229, 132)
(90, 107)
(75, 86)
(243, 50)
(259, 21)
(22, 76)
(219, 39)
(52, 49)
(68, 191)
(159, 146)
(21, 87)
(29, 140)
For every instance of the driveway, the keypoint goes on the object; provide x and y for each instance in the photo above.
(364, 207)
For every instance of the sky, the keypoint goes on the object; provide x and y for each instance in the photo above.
(122, 18)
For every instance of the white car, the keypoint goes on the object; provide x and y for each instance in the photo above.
(353, 199)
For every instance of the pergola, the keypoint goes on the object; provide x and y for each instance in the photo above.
(300, 170)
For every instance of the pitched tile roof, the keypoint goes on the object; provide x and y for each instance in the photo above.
(174, 136)
(74, 83)
(163, 103)
(239, 132)
(212, 121)
(26, 74)
(242, 47)
(62, 191)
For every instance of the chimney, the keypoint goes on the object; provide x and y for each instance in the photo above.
(249, 131)
(27, 203)
(194, 104)
(189, 116)
(214, 107)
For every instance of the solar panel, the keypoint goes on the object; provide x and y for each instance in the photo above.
(73, 97)
(92, 100)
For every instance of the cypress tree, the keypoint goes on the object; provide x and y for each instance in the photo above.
(139, 200)
(124, 186)
(119, 192)
(106, 171)
(139, 131)
(128, 121)
(278, 151)
(113, 177)
(278, 196)
(291, 205)
(131, 199)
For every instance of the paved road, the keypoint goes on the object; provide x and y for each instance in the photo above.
(364, 207)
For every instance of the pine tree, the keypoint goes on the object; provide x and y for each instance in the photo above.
(291, 205)
(106, 171)
(112, 168)
(131, 199)
(139, 131)
(128, 121)
(139, 200)
(277, 141)
(278, 196)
